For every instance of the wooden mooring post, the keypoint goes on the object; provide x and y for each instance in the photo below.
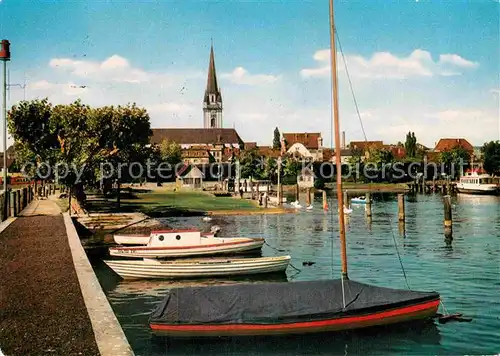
(448, 220)
(368, 205)
(325, 201)
(308, 197)
(401, 207)
(345, 198)
(297, 191)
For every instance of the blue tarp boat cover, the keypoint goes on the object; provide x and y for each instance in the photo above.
(271, 303)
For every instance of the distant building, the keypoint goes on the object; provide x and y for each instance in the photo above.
(447, 144)
(215, 142)
(305, 145)
(212, 100)
(190, 176)
(329, 155)
(201, 145)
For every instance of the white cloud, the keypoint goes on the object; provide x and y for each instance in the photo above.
(241, 76)
(114, 68)
(456, 60)
(169, 107)
(385, 65)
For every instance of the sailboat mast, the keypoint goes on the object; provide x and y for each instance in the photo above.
(335, 108)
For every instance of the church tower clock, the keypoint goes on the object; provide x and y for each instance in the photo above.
(212, 102)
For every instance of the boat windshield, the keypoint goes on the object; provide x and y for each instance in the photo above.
(486, 181)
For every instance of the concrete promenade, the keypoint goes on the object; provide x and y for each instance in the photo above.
(50, 299)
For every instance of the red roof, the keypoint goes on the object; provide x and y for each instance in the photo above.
(250, 145)
(268, 151)
(446, 144)
(308, 139)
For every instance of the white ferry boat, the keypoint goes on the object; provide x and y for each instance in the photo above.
(477, 182)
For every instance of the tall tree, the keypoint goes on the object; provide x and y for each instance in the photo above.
(77, 136)
(277, 139)
(491, 157)
(411, 144)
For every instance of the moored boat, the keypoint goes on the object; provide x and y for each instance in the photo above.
(298, 307)
(185, 243)
(286, 308)
(140, 239)
(196, 268)
(477, 182)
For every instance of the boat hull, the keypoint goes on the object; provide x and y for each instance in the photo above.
(478, 191)
(187, 251)
(405, 314)
(130, 269)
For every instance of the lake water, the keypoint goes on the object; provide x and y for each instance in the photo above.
(466, 273)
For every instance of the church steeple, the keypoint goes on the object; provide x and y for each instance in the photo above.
(212, 102)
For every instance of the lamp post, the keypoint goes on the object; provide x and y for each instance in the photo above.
(4, 57)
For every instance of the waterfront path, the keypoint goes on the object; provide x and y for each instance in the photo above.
(42, 310)
(50, 300)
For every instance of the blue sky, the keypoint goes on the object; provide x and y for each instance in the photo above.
(427, 66)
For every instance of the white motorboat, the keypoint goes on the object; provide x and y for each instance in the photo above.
(185, 243)
(143, 239)
(477, 182)
(195, 268)
(347, 210)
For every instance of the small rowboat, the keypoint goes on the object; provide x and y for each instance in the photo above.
(186, 243)
(196, 268)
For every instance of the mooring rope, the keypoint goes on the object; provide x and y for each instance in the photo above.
(278, 250)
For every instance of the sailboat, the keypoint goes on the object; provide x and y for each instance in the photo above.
(298, 307)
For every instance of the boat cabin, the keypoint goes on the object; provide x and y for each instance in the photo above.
(174, 238)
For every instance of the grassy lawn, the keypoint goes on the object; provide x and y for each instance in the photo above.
(168, 203)
(190, 201)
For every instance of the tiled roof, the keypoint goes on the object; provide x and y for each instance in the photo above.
(268, 151)
(250, 145)
(196, 136)
(308, 139)
(446, 144)
(364, 145)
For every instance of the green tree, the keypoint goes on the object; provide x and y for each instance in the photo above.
(251, 164)
(170, 152)
(491, 157)
(77, 136)
(454, 160)
(411, 144)
(277, 139)
(270, 169)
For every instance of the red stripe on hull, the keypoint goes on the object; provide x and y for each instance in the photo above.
(404, 314)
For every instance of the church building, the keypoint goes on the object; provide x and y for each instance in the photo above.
(213, 141)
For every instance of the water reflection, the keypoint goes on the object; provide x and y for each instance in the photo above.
(465, 272)
(364, 342)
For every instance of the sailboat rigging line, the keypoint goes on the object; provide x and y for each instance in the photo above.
(366, 140)
(397, 250)
(350, 85)
(278, 250)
